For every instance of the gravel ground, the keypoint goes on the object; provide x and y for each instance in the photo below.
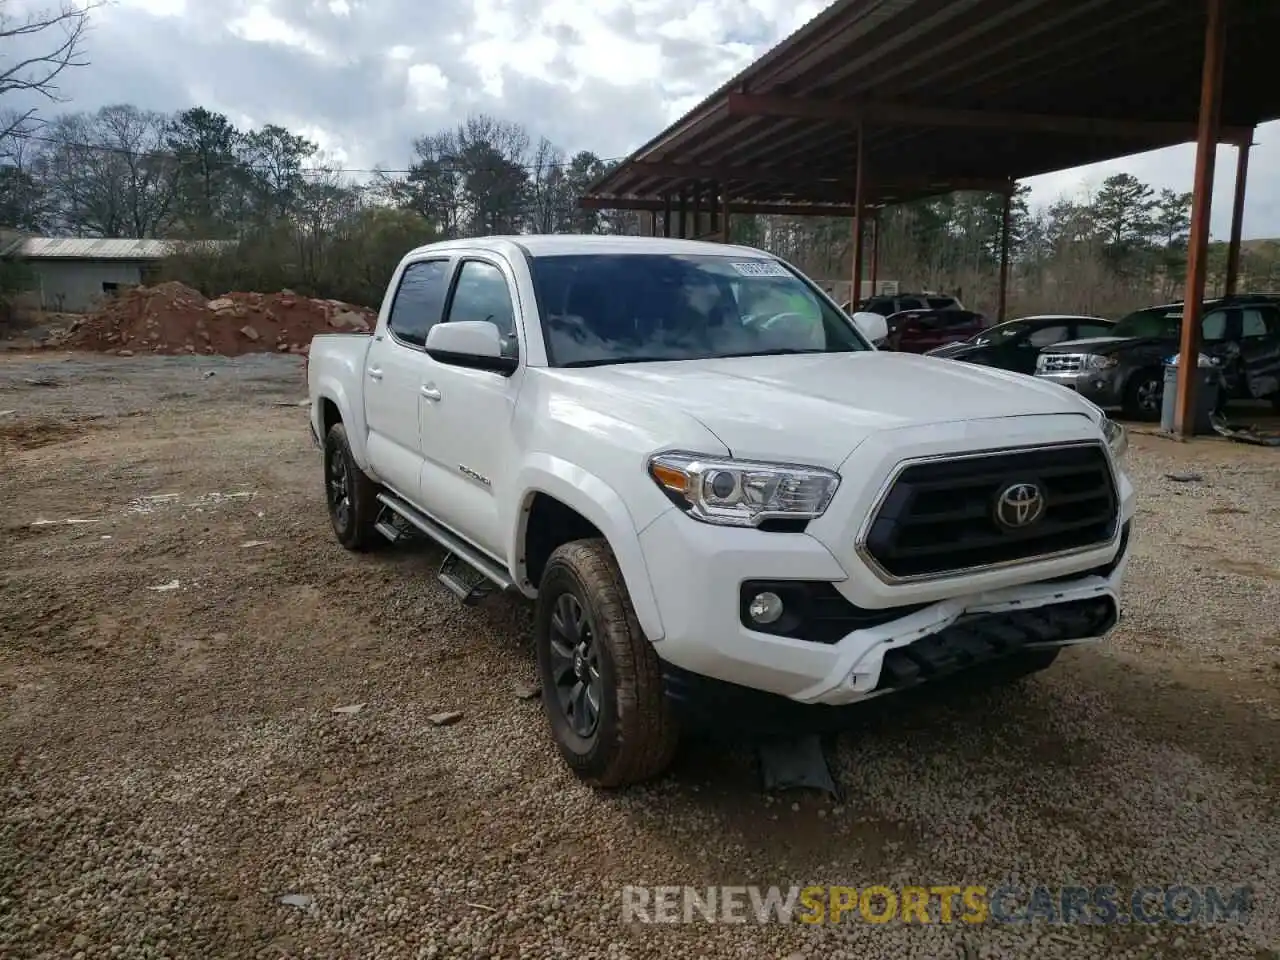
(173, 765)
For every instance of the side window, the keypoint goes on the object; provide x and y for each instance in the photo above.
(1047, 335)
(1087, 330)
(419, 300)
(910, 303)
(482, 294)
(1214, 326)
(1253, 323)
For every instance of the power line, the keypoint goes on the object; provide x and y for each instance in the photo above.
(443, 166)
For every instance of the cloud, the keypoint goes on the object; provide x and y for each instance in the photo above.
(366, 77)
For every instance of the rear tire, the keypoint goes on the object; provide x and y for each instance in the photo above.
(1143, 395)
(352, 498)
(601, 680)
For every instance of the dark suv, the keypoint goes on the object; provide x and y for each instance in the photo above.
(1125, 368)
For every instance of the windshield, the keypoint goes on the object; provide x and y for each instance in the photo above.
(1000, 333)
(627, 308)
(1162, 322)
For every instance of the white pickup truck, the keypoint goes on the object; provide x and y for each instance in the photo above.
(725, 503)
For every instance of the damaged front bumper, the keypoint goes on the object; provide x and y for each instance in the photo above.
(942, 640)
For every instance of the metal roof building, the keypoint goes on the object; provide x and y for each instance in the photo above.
(74, 274)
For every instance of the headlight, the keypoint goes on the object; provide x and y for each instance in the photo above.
(1099, 361)
(1117, 437)
(738, 493)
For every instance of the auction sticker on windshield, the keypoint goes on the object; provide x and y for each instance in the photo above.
(760, 268)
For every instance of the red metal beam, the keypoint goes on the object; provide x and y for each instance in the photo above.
(899, 114)
(1237, 219)
(764, 208)
(1184, 420)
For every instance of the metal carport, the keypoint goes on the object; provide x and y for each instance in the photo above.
(876, 102)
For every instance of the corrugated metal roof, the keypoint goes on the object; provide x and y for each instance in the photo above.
(76, 248)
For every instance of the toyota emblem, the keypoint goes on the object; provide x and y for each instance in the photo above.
(1019, 505)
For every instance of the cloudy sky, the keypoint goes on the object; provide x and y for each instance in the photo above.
(364, 77)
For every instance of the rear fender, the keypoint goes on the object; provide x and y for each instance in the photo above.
(329, 387)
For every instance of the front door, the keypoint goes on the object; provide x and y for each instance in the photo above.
(466, 415)
(393, 375)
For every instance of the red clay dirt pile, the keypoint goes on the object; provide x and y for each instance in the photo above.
(172, 318)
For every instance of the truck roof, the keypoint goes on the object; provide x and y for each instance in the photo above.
(567, 244)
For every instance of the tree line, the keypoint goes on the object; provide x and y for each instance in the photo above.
(299, 221)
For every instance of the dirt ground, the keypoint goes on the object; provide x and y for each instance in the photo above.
(177, 627)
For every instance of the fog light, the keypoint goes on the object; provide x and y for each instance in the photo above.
(765, 608)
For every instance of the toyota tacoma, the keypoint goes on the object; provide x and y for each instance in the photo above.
(722, 499)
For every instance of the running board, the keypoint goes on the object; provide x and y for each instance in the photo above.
(459, 551)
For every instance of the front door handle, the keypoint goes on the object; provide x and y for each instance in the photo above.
(431, 393)
(375, 373)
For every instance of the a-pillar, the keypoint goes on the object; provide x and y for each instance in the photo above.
(1184, 418)
(1237, 218)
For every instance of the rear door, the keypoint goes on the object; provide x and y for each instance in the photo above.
(393, 374)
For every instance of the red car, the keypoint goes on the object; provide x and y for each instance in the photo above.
(919, 331)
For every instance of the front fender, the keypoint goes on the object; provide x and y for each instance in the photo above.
(601, 504)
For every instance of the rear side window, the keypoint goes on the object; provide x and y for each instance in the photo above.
(419, 300)
(1086, 330)
(1047, 335)
(910, 303)
(1253, 323)
(942, 303)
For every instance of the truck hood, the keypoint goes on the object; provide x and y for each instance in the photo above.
(817, 408)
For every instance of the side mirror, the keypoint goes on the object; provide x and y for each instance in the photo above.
(470, 343)
(871, 325)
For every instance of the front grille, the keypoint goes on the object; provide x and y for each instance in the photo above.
(1060, 363)
(939, 516)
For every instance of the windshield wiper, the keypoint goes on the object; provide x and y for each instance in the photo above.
(608, 361)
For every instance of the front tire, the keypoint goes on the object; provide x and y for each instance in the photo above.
(352, 498)
(1144, 396)
(601, 680)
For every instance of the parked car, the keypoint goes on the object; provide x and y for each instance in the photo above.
(651, 439)
(1125, 367)
(919, 331)
(1015, 344)
(887, 306)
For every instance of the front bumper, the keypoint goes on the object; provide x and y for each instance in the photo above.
(698, 572)
(1105, 388)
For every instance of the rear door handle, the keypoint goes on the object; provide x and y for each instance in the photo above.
(375, 373)
(431, 393)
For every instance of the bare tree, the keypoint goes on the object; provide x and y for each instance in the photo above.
(32, 70)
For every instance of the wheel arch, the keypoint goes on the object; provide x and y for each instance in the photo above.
(561, 502)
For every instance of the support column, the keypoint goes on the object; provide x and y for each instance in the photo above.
(855, 290)
(1201, 202)
(875, 252)
(724, 215)
(684, 212)
(1237, 219)
(697, 211)
(666, 215)
(714, 200)
(1006, 217)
